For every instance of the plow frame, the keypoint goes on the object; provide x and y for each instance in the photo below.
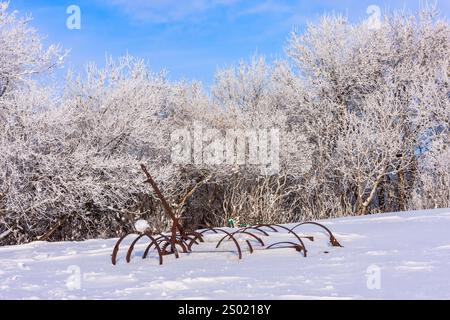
(181, 239)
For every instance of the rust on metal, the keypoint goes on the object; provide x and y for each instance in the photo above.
(116, 248)
(256, 229)
(179, 238)
(296, 246)
(230, 235)
(249, 245)
(153, 240)
(333, 239)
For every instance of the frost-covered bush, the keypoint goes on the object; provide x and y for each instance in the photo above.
(369, 100)
(79, 164)
(23, 98)
(432, 189)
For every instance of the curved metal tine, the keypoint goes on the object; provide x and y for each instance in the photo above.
(158, 249)
(295, 235)
(165, 238)
(194, 233)
(169, 243)
(131, 248)
(215, 230)
(157, 243)
(245, 232)
(208, 229)
(183, 239)
(178, 241)
(255, 228)
(252, 235)
(233, 239)
(282, 242)
(191, 243)
(164, 247)
(192, 240)
(116, 247)
(181, 244)
(296, 246)
(197, 235)
(267, 226)
(333, 239)
(249, 246)
(187, 244)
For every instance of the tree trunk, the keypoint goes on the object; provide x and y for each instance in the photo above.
(363, 207)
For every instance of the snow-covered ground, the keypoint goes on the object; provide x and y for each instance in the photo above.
(393, 256)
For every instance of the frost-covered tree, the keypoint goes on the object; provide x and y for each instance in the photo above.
(370, 101)
(79, 169)
(22, 54)
(432, 188)
(23, 61)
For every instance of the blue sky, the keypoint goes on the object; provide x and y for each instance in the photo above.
(188, 38)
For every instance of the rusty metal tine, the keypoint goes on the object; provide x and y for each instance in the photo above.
(183, 239)
(296, 246)
(191, 243)
(166, 237)
(255, 228)
(252, 235)
(153, 240)
(187, 244)
(266, 226)
(181, 244)
(333, 239)
(116, 247)
(197, 235)
(164, 245)
(295, 235)
(249, 246)
(282, 242)
(131, 248)
(158, 249)
(194, 233)
(233, 239)
(169, 243)
(157, 241)
(209, 229)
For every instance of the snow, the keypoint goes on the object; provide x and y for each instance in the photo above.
(141, 225)
(392, 256)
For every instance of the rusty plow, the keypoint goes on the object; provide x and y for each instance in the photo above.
(245, 239)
